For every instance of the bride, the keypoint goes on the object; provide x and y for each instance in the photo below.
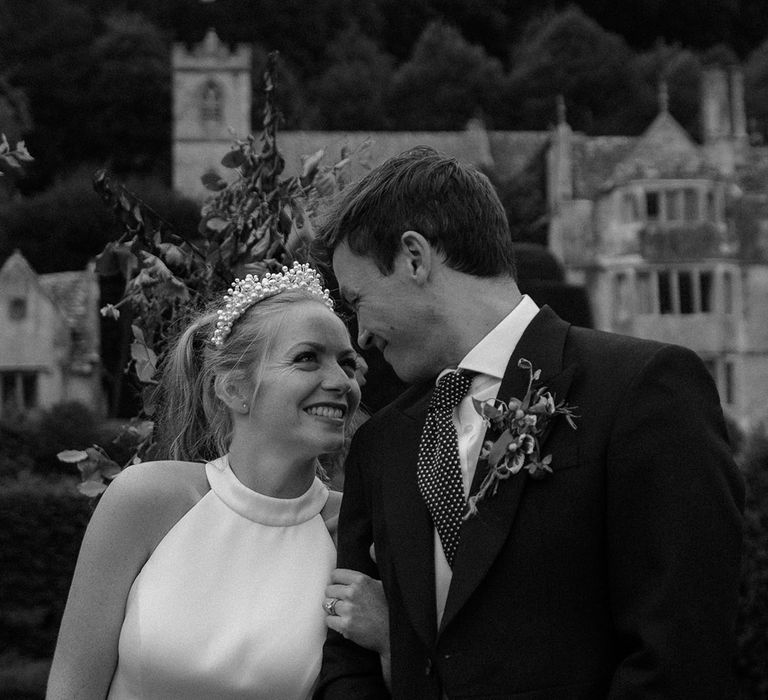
(204, 576)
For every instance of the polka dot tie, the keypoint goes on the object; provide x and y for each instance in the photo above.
(438, 469)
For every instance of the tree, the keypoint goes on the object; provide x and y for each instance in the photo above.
(296, 108)
(129, 96)
(569, 54)
(65, 226)
(15, 121)
(350, 93)
(253, 224)
(681, 70)
(44, 50)
(445, 82)
(756, 84)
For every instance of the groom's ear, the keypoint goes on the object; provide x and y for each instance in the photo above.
(417, 256)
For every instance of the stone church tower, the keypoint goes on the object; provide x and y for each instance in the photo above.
(211, 106)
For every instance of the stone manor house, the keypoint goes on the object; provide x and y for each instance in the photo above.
(669, 236)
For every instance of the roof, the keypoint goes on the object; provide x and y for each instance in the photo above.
(595, 159)
(664, 150)
(506, 153)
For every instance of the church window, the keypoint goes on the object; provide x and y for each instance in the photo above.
(629, 211)
(211, 105)
(643, 291)
(711, 208)
(672, 205)
(685, 290)
(727, 293)
(665, 292)
(622, 309)
(691, 204)
(728, 382)
(652, 206)
(705, 291)
(17, 308)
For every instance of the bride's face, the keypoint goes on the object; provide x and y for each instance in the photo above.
(307, 391)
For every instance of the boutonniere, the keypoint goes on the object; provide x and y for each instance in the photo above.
(521, 423)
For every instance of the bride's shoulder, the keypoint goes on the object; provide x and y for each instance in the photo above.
(151, 497)
(162, 480)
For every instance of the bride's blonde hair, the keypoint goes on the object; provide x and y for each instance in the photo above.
(193, 423)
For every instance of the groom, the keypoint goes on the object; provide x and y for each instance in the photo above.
(615, 575)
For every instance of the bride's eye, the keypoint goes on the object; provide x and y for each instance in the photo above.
(305, 357)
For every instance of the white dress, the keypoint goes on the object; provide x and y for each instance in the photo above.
(230, 603)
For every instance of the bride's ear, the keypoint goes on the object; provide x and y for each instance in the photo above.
(233, 394)
(417, 255)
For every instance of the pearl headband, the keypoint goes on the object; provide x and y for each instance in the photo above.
(244, 293)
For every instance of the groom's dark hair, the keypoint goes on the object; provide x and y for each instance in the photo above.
(454, 206)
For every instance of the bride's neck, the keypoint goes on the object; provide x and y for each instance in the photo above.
(270, 474)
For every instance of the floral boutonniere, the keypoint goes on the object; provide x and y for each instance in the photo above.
(521, 424)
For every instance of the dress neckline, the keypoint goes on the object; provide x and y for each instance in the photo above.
(267, 510)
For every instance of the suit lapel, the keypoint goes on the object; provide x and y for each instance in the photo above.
(483, 535)
(409, 522)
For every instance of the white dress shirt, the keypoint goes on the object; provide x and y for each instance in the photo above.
(489, 358)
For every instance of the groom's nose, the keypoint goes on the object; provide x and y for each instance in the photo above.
(364, 338)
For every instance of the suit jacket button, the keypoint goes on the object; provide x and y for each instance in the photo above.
(428, 667)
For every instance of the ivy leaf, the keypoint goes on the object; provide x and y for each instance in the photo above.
(234, 158)
(310, 165)
(22, 153)
(213, 181)
(173, 255)
(143, 356)
(92, 488)
(217, 224)
(72, 456)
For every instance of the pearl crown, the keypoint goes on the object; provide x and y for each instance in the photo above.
(242, 294)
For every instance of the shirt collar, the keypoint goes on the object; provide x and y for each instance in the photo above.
(491, 355)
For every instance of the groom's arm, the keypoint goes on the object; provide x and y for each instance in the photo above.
(674, 524)
(348, 670)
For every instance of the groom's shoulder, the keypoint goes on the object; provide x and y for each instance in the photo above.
(404, 404)
(608, 352)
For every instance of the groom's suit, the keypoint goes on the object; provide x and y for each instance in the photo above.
(615, 576)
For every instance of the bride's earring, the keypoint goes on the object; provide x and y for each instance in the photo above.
(245, 407)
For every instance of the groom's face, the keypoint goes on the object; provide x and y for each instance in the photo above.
(393, 314)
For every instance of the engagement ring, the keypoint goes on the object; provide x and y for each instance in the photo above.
(330, 606)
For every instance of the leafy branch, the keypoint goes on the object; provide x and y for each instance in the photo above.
(13, 157)
(253, 222)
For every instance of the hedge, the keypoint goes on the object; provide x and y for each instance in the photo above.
(41, 526)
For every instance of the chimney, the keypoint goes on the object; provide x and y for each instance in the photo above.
(715, 108)
(738, 112)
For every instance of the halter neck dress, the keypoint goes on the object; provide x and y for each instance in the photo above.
(230, 603)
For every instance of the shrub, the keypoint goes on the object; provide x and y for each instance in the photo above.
(41, 526)
(67, 425)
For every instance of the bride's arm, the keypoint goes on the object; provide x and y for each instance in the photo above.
(362, 613)
(130, 518)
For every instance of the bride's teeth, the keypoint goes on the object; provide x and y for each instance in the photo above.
(326, 411)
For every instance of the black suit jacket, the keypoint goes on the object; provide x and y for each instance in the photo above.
(616, 576)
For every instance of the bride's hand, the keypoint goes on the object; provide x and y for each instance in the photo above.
(361, 613)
